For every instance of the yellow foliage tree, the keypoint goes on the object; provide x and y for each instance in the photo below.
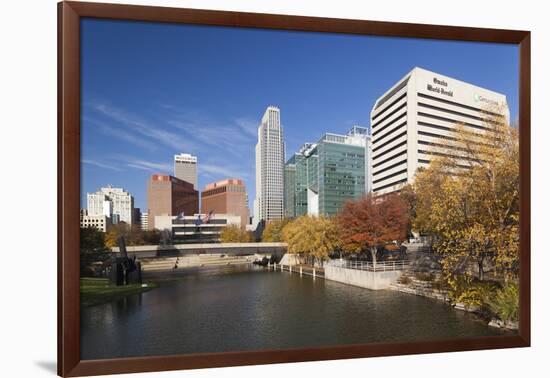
(273, 230)
(133, 235)
(234, 234)
(312, 237)
(468, 198)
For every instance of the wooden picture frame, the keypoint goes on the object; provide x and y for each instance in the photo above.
(69, 16)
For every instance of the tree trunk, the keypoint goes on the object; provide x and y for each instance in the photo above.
(373, 254)
(481, 272)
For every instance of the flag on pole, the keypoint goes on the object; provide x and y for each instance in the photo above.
(198, 221)
(209, 216)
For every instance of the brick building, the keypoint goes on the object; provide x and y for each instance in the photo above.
(226, 197)
(168, 195)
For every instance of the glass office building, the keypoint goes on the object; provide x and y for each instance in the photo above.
(322, 176)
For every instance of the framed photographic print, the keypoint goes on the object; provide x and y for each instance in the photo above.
(239, 188)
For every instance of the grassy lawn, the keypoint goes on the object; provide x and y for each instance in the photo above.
(94, 291)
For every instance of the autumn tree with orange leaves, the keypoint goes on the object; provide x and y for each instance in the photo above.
(372, 222)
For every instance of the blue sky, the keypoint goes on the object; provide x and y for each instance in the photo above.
(152, 90)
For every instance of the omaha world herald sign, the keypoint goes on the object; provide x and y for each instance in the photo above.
(440, 87)
(480, 98)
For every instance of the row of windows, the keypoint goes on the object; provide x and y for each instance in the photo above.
(223, 189)
(390, 184)
(390, 132)
(449, 130)
(445, 146)
(432, 135)
(404, 152)
(390, 150)
(424, 161)
(392, 92)
(390, 105)
(449, 102)
(445, 110)
(389, 176)
(389, 167)
(402, 106)
(378, 147)
(453, 121)
(396, 120)
(435, 153)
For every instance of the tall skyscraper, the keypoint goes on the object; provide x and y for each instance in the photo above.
(270, 155)
(168, 195)
(226, 197)
(185, 168)
(415, 120)
(321, 176)
(115, 203)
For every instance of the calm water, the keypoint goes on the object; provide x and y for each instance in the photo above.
(252, 309)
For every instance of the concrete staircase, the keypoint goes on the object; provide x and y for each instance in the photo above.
(158, 264)
(422, 257)
(170, 263)
(215, 259)
(410, 284)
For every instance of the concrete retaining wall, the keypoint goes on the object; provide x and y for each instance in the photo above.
(144, 251)
(362, 278)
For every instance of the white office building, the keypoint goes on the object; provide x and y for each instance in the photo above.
(185, 168)
(144, 221)
(115, 203)
(101, 222)
(418, 115)
(270, 155)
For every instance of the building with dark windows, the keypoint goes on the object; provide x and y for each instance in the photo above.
(415, 120)
(226, 197)
(196, 228)
(322, 176)
(168, 195)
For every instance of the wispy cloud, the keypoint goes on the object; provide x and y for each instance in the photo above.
(100, 164)
(226, 171)
(121, 134)
(149, 166)
(248, 125)
(177, 129)
(232, 135)
(145, 128)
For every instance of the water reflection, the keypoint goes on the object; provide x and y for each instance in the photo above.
(246, 308)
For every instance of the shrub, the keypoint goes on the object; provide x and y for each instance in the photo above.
(471, 292)
(404, 279)
(422, 276)
(505, 303)
(439, 284)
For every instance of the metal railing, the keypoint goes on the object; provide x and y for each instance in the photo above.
(382, 266)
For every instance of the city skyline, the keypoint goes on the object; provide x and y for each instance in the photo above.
(325, 83)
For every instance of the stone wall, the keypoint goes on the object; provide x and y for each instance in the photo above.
(362, 278)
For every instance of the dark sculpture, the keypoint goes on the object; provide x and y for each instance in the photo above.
(125, 270)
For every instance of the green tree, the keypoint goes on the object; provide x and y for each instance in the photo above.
(94, 254)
